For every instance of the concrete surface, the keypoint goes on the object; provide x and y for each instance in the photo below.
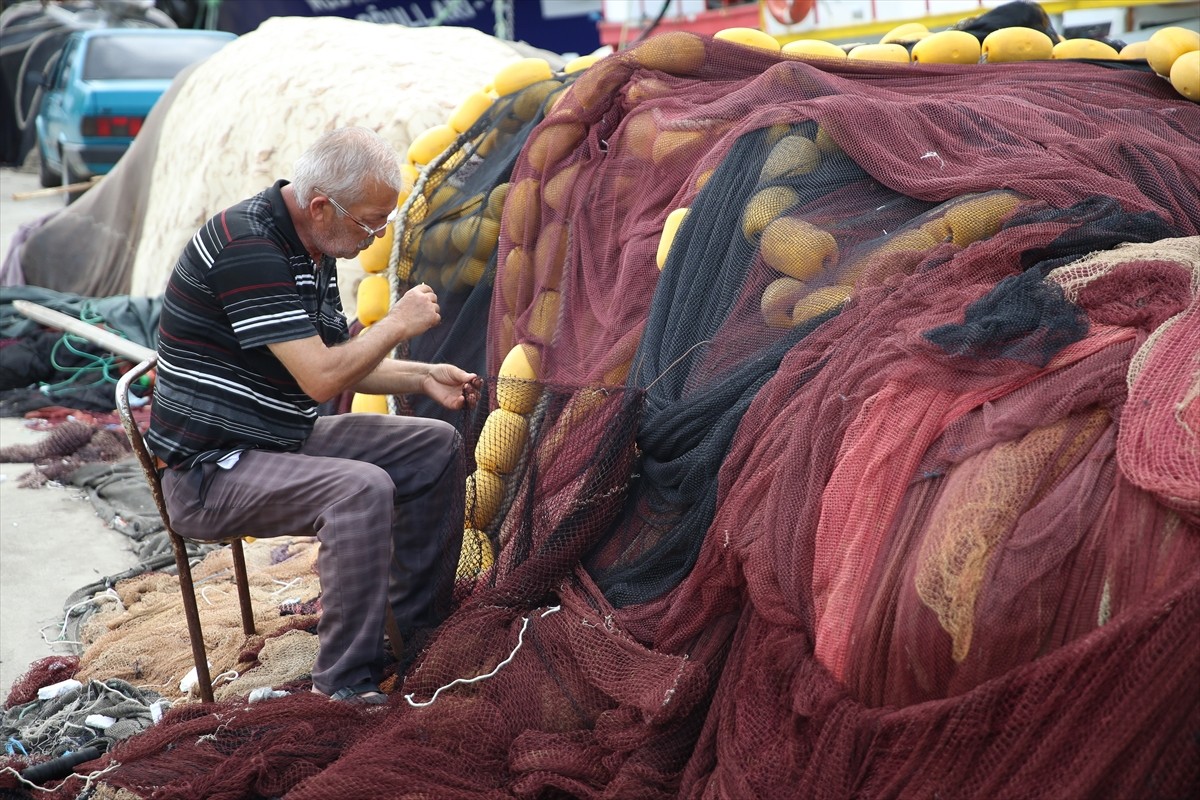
(52, 541)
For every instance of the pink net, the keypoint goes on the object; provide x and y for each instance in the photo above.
(865, 494)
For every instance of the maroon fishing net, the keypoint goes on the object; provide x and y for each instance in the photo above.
(886, 485)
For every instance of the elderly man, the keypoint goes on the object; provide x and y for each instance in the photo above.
(252, 339)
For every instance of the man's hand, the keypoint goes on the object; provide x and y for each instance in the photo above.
(416, 312)
(452, 387)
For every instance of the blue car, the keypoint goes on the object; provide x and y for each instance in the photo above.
(99, 90)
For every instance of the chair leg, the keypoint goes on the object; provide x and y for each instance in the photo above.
(395, 638)
(186, 587)
(243, 587)
(192, 613)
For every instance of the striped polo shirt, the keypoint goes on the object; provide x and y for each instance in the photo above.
(243, 282)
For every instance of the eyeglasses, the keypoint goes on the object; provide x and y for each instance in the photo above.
(369, 230)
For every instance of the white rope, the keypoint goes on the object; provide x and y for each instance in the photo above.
(204, 593)
(62, 631)
(87, 779)
(511, 656)
(283, 586)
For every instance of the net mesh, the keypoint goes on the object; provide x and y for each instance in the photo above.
(143, 639)
(884, 486)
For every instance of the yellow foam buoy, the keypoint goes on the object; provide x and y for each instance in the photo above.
(544, 319)
(475, 235)
(495, 201)
(638, 134)
(825, 142)
(750, 37)
(765, 207)
(550, 255)
(373, 298)
(485, 492)
(559, 188)
(375, 258)
(581, 63)
(1169, 44)
(1083, 48)
(778, 300)
(908, 32)
(1133, 52)
(979, 217)
(677, 52)
(895, 53)
(516, 390)
(670, 144)
(501, 441)
(523, 211)
(792, 156)
(797, 248)
(525, 72)
(529, 102)
(408, 176)
(819, 301)
(1185, 75)
(813, 48)
(368, 404)
(430, 144)
(476, 555)
(670, 228)
(516, 265)
(469, 111)
(1016, 44)
(551, 143)
(947, 47)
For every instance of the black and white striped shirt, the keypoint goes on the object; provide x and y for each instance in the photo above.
(243, 282)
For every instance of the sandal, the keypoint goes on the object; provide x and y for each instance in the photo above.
(361, 694)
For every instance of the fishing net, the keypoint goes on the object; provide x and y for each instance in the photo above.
(883, 486)
(143, 639)
(452, 227)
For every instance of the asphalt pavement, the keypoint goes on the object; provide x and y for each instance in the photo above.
(52, 541)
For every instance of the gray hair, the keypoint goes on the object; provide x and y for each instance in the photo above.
(341, 162)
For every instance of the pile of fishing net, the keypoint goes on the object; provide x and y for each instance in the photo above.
(886, 485)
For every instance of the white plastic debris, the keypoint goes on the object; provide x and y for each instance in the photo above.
(265, 693)
(59, 689)
(99, 721)
(156, 710)
(190, 680)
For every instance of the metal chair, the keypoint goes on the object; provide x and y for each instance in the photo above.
(178, 543)
(145, 358)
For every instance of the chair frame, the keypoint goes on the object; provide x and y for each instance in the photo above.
(145, 359)
(187, 586)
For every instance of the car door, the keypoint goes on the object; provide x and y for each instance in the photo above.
(53, 109)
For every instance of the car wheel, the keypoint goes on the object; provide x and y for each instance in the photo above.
(47, 175)
(70, 177)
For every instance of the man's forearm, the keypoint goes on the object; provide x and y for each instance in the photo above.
(393, 376)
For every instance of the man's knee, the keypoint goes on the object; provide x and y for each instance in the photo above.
(362, 479)
(448, 438)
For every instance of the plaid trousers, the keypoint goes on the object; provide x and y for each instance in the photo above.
(383, 496)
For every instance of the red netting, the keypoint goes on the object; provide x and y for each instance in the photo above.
(870, 492)
(42, 672)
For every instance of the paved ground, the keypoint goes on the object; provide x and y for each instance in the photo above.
(52, 542)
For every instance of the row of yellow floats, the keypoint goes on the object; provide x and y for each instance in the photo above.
(805, 256)
(477, 233)
(506, 429)
(1172, 52)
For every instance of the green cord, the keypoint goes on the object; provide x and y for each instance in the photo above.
(72, 344)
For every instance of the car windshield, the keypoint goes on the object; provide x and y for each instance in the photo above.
(145, 57)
